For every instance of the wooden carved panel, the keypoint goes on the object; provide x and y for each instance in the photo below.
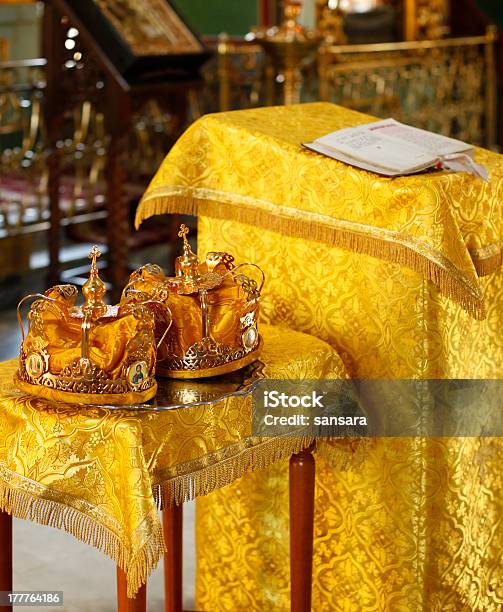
(150, 27)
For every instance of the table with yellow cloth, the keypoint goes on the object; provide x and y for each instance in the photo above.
(403, 277)
(101, 473)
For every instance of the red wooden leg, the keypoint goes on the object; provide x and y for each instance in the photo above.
(172, 523)
(124, 603)
(302, 470)
(5, 555)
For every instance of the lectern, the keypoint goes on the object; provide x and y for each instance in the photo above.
(116, 55)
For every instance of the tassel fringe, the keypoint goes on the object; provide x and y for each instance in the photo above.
(345, 454)
(301, 224)
(27, 506)
(488, 265)
(185, 487)
(22, 504)
(188, 486)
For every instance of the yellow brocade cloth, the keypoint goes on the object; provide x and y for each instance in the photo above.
(445, 225)
(102, 473)
(403, 277)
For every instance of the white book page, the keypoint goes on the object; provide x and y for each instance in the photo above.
(434, 143)
(391, 146)
(377, 148)
(358, 163)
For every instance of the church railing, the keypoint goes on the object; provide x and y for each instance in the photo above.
(406, 80)
(413, 81)
(24, 152)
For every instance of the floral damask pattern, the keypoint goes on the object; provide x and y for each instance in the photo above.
(417, 526)
(403, 277)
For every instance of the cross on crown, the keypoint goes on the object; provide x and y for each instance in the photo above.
(184, 230)
(93, 255)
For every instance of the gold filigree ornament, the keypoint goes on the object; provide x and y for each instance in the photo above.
(215, 308)
(94, 353)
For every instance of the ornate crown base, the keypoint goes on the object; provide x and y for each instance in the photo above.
(95, 399)
(231, 366)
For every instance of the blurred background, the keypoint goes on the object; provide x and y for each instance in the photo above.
(94, 93)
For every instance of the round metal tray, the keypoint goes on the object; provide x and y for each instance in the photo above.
(172, 393)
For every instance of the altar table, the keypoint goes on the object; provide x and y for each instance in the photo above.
(403, 276)
(101, 473)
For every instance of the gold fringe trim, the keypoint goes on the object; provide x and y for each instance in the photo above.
(376, 242)
(202, 481)
(197, 481)
(28, 506)
(487, 264)
(345, 454)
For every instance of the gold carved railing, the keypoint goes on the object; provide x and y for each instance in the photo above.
(22, 136)
(24, 148)
(236, 77)
(446, 85)
(24, 206)
(82, 148)
(154, 129)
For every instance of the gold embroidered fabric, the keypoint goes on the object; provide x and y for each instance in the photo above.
(101, 473)
(418, 525)
(249, 166)
(394, 274)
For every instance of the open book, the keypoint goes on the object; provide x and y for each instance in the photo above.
(394, 149)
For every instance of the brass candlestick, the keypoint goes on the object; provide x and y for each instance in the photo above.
(290, 47)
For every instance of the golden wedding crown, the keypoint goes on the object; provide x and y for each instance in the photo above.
(93, 354)
(215, 308)
(200, 323)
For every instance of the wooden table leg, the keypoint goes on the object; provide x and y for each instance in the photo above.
(5, 555)
(172, 524)
(302, 470)
(124, 603)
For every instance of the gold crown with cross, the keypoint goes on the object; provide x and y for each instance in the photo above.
(94, 353)
(215, 309)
